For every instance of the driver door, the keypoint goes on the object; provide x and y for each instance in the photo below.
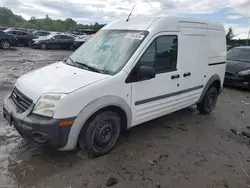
(157, 96)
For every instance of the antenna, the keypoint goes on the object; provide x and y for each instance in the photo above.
(130, 14)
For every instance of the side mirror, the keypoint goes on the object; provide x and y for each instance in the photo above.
(146, 73)
(53, 38)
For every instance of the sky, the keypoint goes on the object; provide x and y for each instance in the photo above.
(231, 13)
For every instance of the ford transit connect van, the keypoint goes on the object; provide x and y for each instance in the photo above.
(128, 73)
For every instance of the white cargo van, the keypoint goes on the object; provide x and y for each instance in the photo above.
(126, 74)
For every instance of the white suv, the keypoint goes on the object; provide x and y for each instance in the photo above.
(128, 73)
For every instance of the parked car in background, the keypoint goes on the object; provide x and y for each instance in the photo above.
(80, 40)
(16, 28)
(3, 28)
(238, 67)
(7, 40)
(41, 33)
(55, 41)
(23, 37)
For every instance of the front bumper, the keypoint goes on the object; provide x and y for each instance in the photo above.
(243, 82)
(34, 45)
(42, 130)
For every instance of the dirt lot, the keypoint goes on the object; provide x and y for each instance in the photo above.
(184, 149)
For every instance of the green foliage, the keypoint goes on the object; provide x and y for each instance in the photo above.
(9, 19)
(230, 35)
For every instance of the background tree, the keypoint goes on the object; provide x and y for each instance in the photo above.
(230, 35)
(9, 19)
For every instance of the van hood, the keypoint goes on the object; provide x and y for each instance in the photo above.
(56, 78)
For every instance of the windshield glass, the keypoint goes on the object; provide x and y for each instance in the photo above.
(239, 54)
(109, 50)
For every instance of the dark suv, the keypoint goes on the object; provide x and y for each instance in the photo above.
(7, 40)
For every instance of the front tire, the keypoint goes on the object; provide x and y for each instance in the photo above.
(5, 44)
(100, 134)
(43, 46)
(209, 101)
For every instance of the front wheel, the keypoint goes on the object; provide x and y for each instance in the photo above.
(209, 101)
(100, 134)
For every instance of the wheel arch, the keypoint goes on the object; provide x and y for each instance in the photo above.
(113, 103)
(214, 80)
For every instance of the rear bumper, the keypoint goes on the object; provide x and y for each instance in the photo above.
(42, 130)
(243, 82)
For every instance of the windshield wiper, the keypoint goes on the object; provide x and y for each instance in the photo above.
(85, 66)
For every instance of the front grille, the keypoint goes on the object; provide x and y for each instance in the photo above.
(20, 100)
(229, 74)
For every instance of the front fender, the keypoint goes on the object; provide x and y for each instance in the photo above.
(89, 110)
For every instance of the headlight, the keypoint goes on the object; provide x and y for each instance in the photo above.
(244, 73)
(46, 105)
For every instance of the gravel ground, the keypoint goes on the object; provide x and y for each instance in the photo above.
(183, 149)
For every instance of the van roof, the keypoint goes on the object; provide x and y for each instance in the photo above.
(164, 23)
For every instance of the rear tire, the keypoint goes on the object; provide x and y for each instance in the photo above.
(100, 134)
(43, 46)
(5, 44)
(209, 101)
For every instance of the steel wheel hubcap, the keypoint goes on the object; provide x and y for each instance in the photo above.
(104, 134)
(211, 100)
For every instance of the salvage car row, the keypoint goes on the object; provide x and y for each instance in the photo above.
(41, 39)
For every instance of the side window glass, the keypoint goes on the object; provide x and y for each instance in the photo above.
(57, 37)
(148, 58)
(166, 54)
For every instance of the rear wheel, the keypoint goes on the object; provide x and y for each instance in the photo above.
(100, 134)
(209, 101)
(5, 44)
(43, 46)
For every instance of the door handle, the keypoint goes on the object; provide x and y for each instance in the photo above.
(187, 74)
(175, 76)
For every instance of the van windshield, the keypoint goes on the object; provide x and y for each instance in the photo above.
(109, 50)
